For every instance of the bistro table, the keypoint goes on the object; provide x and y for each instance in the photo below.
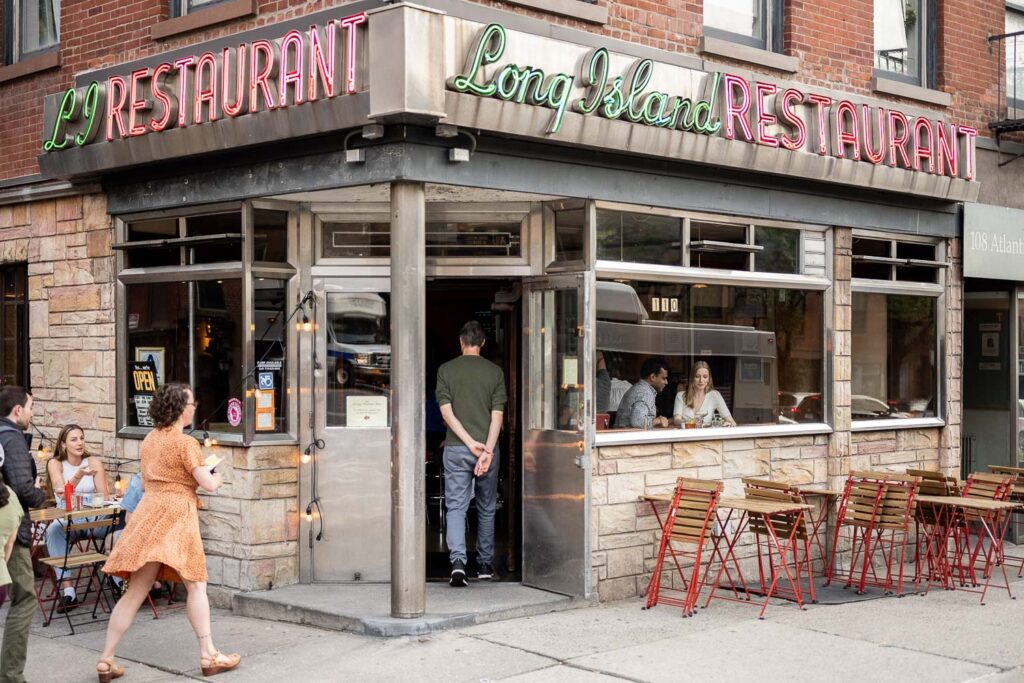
(780, 539)
(950, 512)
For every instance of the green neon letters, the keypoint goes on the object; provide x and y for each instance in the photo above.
(620, 97)
(69, 112)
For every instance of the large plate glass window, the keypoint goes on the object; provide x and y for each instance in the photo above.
(762, 348)
(896, 325)
(206, 302)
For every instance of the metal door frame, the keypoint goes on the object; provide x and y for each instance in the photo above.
(313, 385)
(533, 288)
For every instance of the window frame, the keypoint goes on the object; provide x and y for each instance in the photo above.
(925, 75)
(616, 270)
(182, 8)
(936, 291)
(1013, 103)
(12, 35)
(247, 271)
(22, 375)
(773, 22)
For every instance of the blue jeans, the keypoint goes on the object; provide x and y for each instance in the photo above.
(459, 462)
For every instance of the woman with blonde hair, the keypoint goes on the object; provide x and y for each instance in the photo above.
(71, 464)
(162, 538)
(701, 400)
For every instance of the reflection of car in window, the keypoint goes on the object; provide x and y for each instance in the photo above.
(358, 338)
(800, 407)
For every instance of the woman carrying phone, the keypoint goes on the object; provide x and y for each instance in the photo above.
(161, 540)
(71, 464)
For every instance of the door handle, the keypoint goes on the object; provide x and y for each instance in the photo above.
(579, 458)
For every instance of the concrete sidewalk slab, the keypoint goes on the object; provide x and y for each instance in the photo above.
(365, 608)
(441, 657)
(770, 651)
(563, 674)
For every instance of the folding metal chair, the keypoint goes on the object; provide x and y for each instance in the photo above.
(689, 521)
(892, 526)
(930, 523)
(782, 525)
(83, 561)
(982, 486)
(1017, 496)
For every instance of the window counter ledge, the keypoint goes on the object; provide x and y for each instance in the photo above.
(708, 434)
(897, 423)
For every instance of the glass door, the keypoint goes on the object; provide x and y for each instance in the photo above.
(990, 402)
(351, 479)
(558, 406)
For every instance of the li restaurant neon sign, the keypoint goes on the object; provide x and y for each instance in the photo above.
(727, 106)
(251, 77)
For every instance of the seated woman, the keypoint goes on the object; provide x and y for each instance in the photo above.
(700, 399)
(71, 464)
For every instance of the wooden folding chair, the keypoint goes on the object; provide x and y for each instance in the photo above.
(926, 520)
(1017, 496)
(83, 561)
(782, 524)
(893, 525)
(689, 521)
(981, 486)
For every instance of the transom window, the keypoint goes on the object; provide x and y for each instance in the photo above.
(896, 260)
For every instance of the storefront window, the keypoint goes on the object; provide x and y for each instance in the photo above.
(214, 238)
(191, 332)
(355, 240)
(472, 239)
(270, 313)
(14, 325)
(358, 359)
(270, 235)
(570, 224)
(763, 348)
(894, 357)
(639, 238)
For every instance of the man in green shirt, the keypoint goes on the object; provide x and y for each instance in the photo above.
(471, 394)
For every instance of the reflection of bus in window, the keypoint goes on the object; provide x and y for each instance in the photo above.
(358, 338)
(742, 359)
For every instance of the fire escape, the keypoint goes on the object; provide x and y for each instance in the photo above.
(1010, 84)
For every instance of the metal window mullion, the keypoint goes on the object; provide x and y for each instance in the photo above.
(192, 340)
(249, 346)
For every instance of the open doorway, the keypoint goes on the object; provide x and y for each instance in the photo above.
(495, 304)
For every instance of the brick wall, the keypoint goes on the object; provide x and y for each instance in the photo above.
(832, 39)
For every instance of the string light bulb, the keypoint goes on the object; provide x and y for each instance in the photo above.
(207, 441)
(305, 458)
(309, 512)
(307, 326)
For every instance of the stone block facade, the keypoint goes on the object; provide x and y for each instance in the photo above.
(250, 527)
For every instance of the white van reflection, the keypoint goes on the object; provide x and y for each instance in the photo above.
(358, 339)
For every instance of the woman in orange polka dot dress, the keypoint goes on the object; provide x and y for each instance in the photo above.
(162, 539)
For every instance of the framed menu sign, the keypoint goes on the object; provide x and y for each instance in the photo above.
(141, 386)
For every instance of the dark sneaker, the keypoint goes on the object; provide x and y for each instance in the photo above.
(66, 604)
(484, 571)
(458, 579)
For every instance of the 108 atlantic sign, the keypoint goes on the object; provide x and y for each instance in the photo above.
(724, 105)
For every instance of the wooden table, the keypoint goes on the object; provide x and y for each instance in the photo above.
(747, 507)
(950, 513)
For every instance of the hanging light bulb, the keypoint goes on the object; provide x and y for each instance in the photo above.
(309, 512)
(207, 441)
(118, 484)
(307, 326)
(306, 457)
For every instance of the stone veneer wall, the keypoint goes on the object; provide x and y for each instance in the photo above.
(250, 527)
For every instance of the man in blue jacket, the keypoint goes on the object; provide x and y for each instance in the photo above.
(19, 470)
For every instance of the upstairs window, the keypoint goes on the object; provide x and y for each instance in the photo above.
(1015, 60)
(181, 8)
(903, 40)
(30, 27)
(757, 23)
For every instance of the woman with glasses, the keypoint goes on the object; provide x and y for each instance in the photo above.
(161, 540)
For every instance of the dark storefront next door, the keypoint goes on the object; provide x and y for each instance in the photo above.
(556, 452)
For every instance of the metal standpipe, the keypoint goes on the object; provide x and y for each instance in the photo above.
(408, 339)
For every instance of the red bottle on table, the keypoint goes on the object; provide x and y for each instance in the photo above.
(69, 492)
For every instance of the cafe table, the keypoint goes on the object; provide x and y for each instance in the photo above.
(950, 513)
(781, 539)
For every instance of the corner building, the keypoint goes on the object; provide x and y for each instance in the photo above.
(293, 207)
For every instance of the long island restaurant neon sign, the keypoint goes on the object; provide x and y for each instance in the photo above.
(259, 75)
(729, 106)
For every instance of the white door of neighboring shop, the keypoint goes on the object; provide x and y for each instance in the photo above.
(352, 394)
(556, 441)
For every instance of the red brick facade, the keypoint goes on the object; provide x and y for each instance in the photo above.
(833, 41)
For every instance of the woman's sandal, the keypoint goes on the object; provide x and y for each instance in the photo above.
(107, 670)
(218, 663)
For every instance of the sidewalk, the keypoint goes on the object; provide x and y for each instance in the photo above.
(945, 636)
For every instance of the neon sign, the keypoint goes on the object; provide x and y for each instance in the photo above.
(260, 75)
(729, 106)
